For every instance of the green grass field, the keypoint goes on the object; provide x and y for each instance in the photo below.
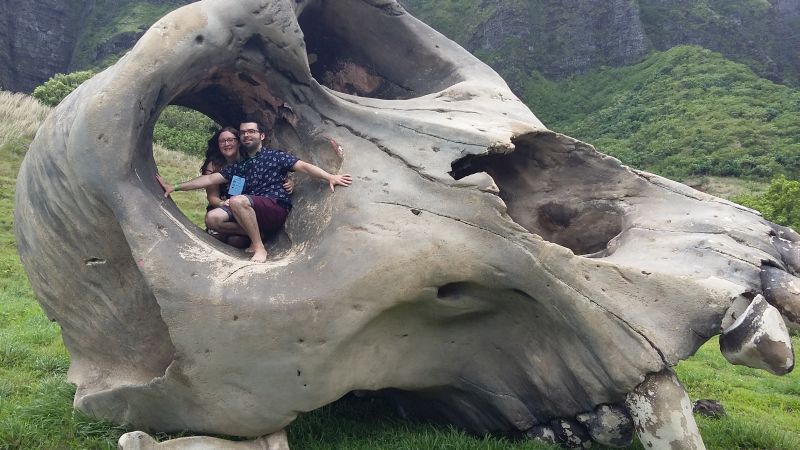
(36, 398)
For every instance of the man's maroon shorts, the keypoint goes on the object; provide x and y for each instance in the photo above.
(269, 214)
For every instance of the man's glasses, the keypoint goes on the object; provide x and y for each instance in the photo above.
(248, 132)
(227, 141)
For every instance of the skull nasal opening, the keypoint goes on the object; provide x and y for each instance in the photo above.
(371, 51)
(550, 187)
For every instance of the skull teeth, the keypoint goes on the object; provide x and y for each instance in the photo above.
(785, 233)
(662, 413)
(571, 434)
(759, 339)
(782, 291)
(609, 425)
(564, 432)
(787, 242)
(542, 433)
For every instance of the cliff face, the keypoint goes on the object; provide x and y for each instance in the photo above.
(560, 39)
(37, 40)
(765, 35)
(42, 38)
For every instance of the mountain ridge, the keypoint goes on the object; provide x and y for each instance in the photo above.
(516, 37)
(561, 39)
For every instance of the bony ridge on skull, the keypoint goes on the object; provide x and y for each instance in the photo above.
(485, 271)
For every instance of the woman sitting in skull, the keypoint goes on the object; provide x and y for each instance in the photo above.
(223, 149)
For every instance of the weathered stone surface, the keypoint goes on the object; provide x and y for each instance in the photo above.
(494, 274)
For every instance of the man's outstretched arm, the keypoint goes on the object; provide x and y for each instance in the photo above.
(200, 182)
(314, 171)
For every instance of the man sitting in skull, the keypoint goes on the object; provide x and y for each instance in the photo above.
(258, 202)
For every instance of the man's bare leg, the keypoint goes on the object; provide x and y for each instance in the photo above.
(246, 216)
(225, 229)
(218, 220)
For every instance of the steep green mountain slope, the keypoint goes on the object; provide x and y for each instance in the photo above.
(686, 111)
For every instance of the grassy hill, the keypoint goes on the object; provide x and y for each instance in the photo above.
(680, 113)
(36, 398)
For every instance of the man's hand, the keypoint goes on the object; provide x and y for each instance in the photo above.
(288, 185)
(168, 188)
(314, 171)
(341, 180)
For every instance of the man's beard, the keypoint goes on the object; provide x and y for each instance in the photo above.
(251, 147)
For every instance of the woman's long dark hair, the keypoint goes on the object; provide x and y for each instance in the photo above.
(213, 153)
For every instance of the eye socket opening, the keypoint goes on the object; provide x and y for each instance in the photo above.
(223, 99)
(369, 51)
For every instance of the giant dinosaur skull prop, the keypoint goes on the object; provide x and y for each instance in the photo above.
(483, 269)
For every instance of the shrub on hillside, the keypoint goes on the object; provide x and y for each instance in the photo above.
(683, 112)
(59, 86)
(780, 203)
(183, 129)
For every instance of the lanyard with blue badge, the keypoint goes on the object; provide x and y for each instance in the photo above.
(237, 183)
(236, 187)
